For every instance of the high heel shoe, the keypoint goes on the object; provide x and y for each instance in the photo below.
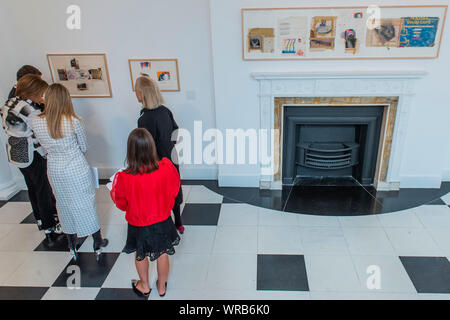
(134, 284)
(98, 247)
(161, 295)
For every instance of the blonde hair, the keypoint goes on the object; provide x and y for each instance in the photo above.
(30, 86)
(58, 107)
(149, 90)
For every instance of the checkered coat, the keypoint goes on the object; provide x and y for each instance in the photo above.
(70, 177)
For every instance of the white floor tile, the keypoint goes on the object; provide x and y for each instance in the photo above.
(360, 221)
(323, 240)
(5, 229)
(232, 272)
(317, 221)
(393, 276)
(331, 273)
(186, 190)
(446, 198)
(362, 296)
(442, 238)
(400, 219)
(201, 194)
(15, 212)
(267, 217)
(188, 271)
(40, 269)
(279, 240)
(63, 293)
(116, 235)
(197, 239)
(412, 242)
(368, 241)
(433, 296)
(236, 239)
(22, 238)
(238, 215)
(109, 214)
(433, 216)
(10, 262)
(123, 271)
(103, 195)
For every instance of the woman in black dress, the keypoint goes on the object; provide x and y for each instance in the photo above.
(159, 121)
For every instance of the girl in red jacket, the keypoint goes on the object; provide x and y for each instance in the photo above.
(146, 191)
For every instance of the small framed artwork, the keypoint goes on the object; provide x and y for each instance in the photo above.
(84, 75)
(163, 71)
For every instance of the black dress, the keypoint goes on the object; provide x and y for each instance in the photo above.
(161, 124)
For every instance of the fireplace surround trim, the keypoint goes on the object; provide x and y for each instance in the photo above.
(393, 88)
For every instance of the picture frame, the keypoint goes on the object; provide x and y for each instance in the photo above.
(342, 33)
(164, 71)
(85, 75)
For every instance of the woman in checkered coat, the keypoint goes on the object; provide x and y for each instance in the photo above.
(61, 134)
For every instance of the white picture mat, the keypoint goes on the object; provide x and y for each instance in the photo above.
(96, 88)
(268, 18)
(157, 65)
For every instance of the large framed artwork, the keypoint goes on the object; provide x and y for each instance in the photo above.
(386, 32)
(163, 71)
(85, 75)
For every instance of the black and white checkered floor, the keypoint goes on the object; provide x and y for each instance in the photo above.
(238, 251)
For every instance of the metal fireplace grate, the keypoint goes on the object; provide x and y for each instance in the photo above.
(329, 155)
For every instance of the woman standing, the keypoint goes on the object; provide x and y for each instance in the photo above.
(146, 190)
(63, 137)
(159, 121)
(25, 152)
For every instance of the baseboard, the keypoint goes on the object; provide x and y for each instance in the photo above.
(249, 181)
(427, 182)
(187, 173)
(446, 175)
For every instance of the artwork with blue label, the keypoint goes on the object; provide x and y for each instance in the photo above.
(419, 31)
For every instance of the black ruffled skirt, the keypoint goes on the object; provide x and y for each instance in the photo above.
(152, 241)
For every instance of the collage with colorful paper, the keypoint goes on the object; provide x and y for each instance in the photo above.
(343, 33)
(163, 71)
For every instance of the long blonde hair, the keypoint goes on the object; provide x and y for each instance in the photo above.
(149, 90)
(58, 107)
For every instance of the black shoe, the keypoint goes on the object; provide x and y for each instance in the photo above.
(98, 248)
(141, 294)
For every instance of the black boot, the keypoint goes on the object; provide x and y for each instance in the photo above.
(72, 240)
(99, 242)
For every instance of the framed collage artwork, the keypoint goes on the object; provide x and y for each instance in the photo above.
(163, 71)
(85, 75)
(385, 32)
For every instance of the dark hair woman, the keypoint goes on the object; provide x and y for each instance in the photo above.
(146, 191)
(159, 121)
(26, 153)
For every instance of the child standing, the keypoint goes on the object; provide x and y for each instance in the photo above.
(146, 190)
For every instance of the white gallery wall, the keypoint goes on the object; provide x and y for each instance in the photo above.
(216, 86)
(426, 155)
(123, 30)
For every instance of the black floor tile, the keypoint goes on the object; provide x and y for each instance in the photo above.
(22, 293)
(93, 272)
(437, 202)
(103, 181)
(118, 294)
(281, 272)
(332, 200)
(22, 196)
(201, 214)
(59, 244)
(428, 274)
(2, 203)
(30, 219)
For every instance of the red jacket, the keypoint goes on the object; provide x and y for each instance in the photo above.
(147, 198)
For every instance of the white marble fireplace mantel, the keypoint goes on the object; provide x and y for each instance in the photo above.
(370, 83)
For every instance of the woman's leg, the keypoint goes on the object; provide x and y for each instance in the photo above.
(142, 270)
(99, 242)
(163, 267)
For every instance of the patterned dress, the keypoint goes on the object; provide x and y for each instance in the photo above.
(70, 177)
